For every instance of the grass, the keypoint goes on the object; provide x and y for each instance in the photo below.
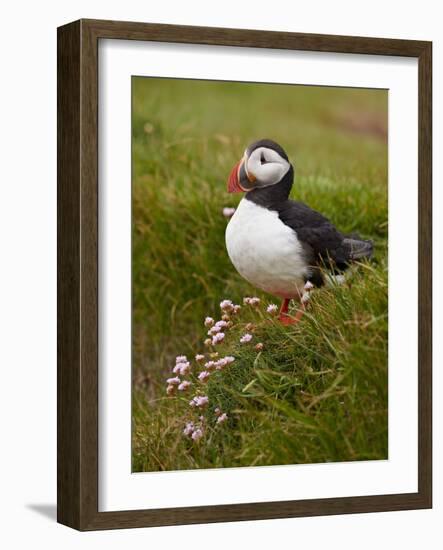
(318, 391)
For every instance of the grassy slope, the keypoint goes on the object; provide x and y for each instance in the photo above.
(319, 390)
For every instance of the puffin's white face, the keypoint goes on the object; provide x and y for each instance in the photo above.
(265, 166)
(261, 166)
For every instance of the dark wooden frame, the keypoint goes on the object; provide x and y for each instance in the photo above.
(77, 456)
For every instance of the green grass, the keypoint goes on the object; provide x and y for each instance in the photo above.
(318, 391)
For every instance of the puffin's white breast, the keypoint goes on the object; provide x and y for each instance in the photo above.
(265, 251)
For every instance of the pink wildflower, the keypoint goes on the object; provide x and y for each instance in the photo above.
(189, 428)
(184, 385)
(201, 400)
(209, 321)
(203, 376)
(220, 364)
(213, 330)
(197, 434)
(236, 309)
(199, 357)
(222, 418)
(259, 346)
(173, 381)
(223, 362)
(226, 306)
(209, 365)
(221, 324)
(181, 359)
(182, 368)
(228, 212)
(219, 337)
(272, 309)
(185, 370)
(217, 411)
(246, 338)
(254, 301)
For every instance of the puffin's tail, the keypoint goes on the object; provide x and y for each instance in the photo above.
(358, 249)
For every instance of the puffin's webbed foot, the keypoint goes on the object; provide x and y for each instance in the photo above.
(285, 318)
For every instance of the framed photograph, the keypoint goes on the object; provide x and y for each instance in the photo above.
(244, 274)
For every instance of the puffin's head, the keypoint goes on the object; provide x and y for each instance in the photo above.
(264, 163)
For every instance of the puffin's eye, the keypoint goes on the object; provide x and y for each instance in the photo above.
(262, 158)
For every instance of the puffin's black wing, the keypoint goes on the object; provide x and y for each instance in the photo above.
(323, 243)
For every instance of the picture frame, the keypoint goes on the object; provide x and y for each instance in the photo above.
(78, 246)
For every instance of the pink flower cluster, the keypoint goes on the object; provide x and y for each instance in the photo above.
(209, 363)
(227, 306)
(254, 301)
(220, 364)
(217, 338)
(221, 417)
(218, 327)
(197, 434)
(200, 401)
(224, 362)
(204, 376)
(189, 428)
(193, 431)
(182, 367)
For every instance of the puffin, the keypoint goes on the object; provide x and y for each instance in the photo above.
(279, 245)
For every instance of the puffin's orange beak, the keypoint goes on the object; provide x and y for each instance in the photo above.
(234, 181)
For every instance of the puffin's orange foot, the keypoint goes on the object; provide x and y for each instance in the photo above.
(285, 319)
